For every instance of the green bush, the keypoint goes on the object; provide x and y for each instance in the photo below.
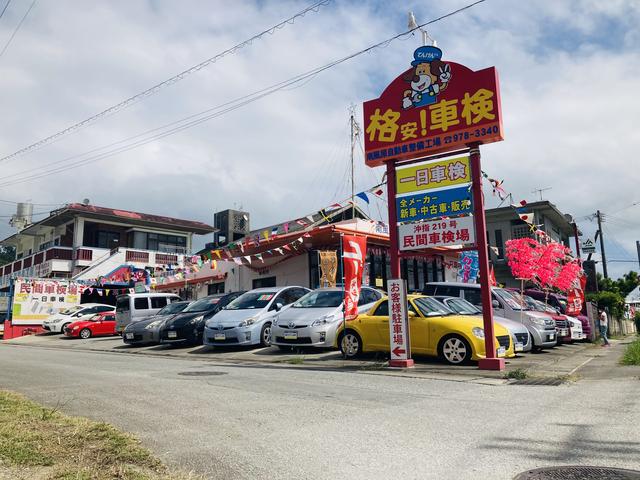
(632, 354)
(636, 320)
(612, 301)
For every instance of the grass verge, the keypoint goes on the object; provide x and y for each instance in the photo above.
(41, 443)
(632, 354)
(517, 374)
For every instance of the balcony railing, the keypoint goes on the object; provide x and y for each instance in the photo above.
(166, 259)
(59, 254)
(135, 256)
(84, 254)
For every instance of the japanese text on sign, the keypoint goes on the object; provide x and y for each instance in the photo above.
(397, 319)
(443, 203)
(36, 299)
(437, 233)
(426, 176)
(436, 106)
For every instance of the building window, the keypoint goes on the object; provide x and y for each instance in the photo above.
(108, 239)
(499, 243)
(264, 282)
(520, 231)
(214, 288)
(159, 242)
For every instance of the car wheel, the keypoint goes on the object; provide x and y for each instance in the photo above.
(85, 333)
(64, 326)
(455, 350)
(265, 335)
(350, 344)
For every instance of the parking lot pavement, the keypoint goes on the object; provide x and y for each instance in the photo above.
(561, 361)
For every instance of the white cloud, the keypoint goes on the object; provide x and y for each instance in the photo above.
(569, 100)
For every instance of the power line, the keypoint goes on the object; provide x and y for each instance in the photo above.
(5, 8)
(36, 204)
(198, 118)
(6, 45)
(175, 79)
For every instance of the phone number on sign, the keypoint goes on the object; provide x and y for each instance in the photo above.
(477, 133)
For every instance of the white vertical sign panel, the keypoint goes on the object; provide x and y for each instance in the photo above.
(398, 327)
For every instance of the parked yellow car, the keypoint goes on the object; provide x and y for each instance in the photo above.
(434, 330)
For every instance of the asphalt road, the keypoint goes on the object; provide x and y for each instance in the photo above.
(276, 422)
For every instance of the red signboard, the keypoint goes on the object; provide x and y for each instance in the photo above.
(436, 106)
(353, 251)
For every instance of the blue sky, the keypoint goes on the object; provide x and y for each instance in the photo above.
(568, 73)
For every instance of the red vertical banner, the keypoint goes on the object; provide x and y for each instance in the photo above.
(354, 250)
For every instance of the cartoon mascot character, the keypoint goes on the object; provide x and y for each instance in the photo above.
(428, 78)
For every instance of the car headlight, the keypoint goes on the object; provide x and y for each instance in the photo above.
(323, 320)
(196, 320)
(538, 321)
(247, 322)
(478, 332)
(75, 328)
(153, 324)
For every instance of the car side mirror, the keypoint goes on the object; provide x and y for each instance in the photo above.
(279, 306)
(495, 303)
(412, 314)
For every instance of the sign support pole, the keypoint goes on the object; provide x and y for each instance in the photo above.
(395, 263)
(393, 220)
(491, 362)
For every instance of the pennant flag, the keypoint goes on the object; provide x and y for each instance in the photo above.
(378, 192)
(286, 227)
(310, 217)
(279, 250)
(287, 247)
(99, 292)
(300, 240)
(526, 217)
(217, 252)
(259, 257)
(324, 215)
(241, 247)
(265, 234)
(106, 293)
(274, 231)
(301, 222)
(256, 240)
(248, 259)
(523, 203)
(492, 277)
(363, 196)
(495, 250)
(237, 261)
(333, 207)
(132, 290)
(214, 264)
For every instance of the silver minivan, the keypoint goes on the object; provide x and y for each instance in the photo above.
(137, 306)
(541, 326)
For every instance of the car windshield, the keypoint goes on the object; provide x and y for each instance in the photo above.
(203, 305)
(430, 307)
(251, 300)
(320, 299)
(563, 304)
(541, 306)
(461, 306)
(71, 310)
(512, 299)
(172, 308)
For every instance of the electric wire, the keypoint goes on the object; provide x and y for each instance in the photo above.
(4, 9)
(15, 31)
(171, 81)
(198, 118)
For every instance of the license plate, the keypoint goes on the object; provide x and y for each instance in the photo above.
(172, 334)
(290, 335)
(502, 351)
(551, 337)
(219, 336)
(128, 336)
(519, 347)
(563, 332)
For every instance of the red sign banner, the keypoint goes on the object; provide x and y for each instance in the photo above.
(436, 106)
(354, 250)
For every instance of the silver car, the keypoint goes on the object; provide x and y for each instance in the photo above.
(247, 320)
(313, 320)
(519, 333)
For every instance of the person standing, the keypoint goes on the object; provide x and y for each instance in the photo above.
(604, 325)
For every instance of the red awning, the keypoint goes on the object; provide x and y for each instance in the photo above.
(191, 281)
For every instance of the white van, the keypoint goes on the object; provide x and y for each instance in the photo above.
(136, 306)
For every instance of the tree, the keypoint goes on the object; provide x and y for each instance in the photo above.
(612, 301)
(7, 254)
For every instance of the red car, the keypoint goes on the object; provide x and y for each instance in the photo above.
(99, 325)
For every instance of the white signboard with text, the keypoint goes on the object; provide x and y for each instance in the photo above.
(36, 299)
(448, 232)
(398, 326)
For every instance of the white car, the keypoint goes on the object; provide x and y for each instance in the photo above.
(55, 323)
(576, 328)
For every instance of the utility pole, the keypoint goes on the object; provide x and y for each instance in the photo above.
(353, 145)
(604, 257)
(638, 249)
